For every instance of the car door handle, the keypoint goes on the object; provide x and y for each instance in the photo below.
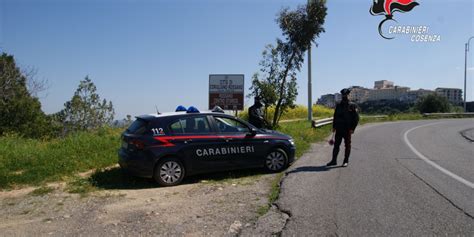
(266, 141)
(188, 141)
(228, 139)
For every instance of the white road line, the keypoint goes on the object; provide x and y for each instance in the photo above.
(421, 156)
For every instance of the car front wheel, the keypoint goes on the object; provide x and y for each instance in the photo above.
(276, 160)
(169, 172)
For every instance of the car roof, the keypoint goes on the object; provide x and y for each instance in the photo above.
(181, 113)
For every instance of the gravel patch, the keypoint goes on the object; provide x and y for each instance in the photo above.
(196, 209)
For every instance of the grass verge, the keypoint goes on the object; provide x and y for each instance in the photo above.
(273, 196)
(81, 186)
(34, 162)
(42, 191)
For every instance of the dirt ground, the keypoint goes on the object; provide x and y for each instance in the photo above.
(201, 207)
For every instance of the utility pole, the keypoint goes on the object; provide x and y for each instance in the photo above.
(465, 71)
(310, 101)
(310, 89)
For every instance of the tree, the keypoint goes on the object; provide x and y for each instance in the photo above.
(267, 86)
(433, 103)
(34, 85)
(86, 111)
(280, 63)
(20, 112)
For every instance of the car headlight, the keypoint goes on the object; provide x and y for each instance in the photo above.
(292, 142)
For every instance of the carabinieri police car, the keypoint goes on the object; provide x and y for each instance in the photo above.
(170, 146)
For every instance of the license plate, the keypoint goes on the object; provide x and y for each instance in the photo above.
(124, 144)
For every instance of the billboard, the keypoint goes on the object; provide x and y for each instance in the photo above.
(226, 91)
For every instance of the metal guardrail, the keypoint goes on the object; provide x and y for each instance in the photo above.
(448, 114)
(374, 116)
(321, 122)
(326, 121)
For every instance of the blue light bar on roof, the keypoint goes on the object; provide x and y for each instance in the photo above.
(192, 109)
(180, 108)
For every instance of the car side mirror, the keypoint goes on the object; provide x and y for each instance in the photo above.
(252, 132)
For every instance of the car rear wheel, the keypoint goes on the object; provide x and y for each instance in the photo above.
(169, 172)
(276, 160)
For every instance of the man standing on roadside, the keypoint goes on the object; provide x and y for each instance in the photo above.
(256, 113)
(344, 123)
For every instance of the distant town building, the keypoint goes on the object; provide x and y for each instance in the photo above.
(453, 95)
(359, 94)
(383, 84)
(386, 90)
(388, 93)
(327, 100)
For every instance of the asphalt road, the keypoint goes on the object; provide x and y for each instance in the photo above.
(404, 178)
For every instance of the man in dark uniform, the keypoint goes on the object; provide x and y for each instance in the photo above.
(344, 123)
(256, 113)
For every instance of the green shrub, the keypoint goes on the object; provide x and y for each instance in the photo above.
(433, 103)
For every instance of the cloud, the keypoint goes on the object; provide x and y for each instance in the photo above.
(470, 68)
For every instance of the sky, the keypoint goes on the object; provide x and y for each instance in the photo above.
(142, 54)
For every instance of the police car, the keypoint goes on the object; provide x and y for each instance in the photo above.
(170, 146)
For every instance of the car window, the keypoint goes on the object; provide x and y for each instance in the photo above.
(138, 127)
(176, 127)
(228, 125)
(190, 125)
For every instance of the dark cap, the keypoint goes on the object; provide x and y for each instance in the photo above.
(345, 91)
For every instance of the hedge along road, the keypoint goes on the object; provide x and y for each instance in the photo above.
(404, 178)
